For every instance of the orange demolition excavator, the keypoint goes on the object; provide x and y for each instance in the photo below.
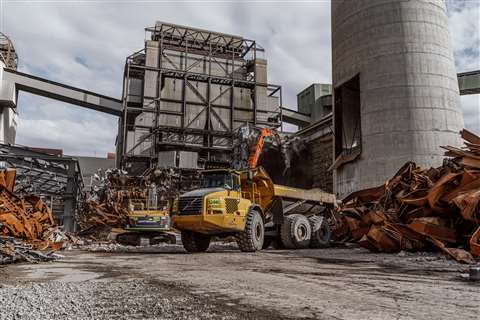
(255, 155)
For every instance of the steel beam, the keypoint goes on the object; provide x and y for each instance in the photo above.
(69, 200)
(295, 117)
(469, 82)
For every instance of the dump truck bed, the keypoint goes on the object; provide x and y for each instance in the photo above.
(317, 195)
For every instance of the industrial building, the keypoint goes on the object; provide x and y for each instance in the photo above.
(186, 92)
(315, 101)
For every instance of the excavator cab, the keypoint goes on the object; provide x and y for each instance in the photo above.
(148, 215)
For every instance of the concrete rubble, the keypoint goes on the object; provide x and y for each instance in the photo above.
(14, 250)
(421, 209)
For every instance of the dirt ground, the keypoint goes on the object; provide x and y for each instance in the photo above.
(167, 283)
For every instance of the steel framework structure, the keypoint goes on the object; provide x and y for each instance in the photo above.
(189, 89)
(56, 179)
(7, 52)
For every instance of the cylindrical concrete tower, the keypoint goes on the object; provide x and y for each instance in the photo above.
(395, 88)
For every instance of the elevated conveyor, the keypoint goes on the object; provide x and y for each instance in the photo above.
(13, 81)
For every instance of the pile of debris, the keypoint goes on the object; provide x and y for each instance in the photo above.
(18, 250)
(282, 155)
(421, 209)
(27, 225)
(107, 205)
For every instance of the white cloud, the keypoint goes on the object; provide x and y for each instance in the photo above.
(63, 131)
(85, 44)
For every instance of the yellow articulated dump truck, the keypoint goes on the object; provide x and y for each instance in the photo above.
(247, 205)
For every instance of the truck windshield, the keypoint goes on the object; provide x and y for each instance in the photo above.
(217, 180)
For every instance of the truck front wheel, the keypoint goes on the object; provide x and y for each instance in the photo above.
(296, 232)
(195, 242)
(251, 239)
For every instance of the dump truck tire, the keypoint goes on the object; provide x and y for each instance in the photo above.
(296, 232)
(321, 232)
(251, 239)
(195, 242)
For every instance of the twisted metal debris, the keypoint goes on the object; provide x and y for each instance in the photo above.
(421, 209)
(27, 226)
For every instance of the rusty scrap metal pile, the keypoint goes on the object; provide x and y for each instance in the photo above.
(106, 206)
(27, 226)
(421, 209)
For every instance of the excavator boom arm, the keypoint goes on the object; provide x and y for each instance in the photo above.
(253, 159)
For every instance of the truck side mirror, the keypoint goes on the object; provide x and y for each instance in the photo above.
(250, 175)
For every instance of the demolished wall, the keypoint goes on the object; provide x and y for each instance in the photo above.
(317, 158)
(285, 157)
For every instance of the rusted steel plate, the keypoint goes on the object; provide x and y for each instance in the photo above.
(475, 243)
(458, 254)
(434, 230)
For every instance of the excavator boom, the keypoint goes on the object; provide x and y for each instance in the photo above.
(253, 159)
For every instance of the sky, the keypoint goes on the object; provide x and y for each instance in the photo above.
(84, 44)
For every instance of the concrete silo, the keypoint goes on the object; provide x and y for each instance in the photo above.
(395, 88)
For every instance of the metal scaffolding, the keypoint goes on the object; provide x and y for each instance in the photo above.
(187, 91)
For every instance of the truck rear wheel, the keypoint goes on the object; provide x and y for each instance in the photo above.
(321, 232)
(251, 239)
(296, 232)
(195, 242)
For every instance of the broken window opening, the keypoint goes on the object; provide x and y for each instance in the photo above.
(348, 135)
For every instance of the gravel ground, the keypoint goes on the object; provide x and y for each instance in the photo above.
(164, 282)
(133, 299)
